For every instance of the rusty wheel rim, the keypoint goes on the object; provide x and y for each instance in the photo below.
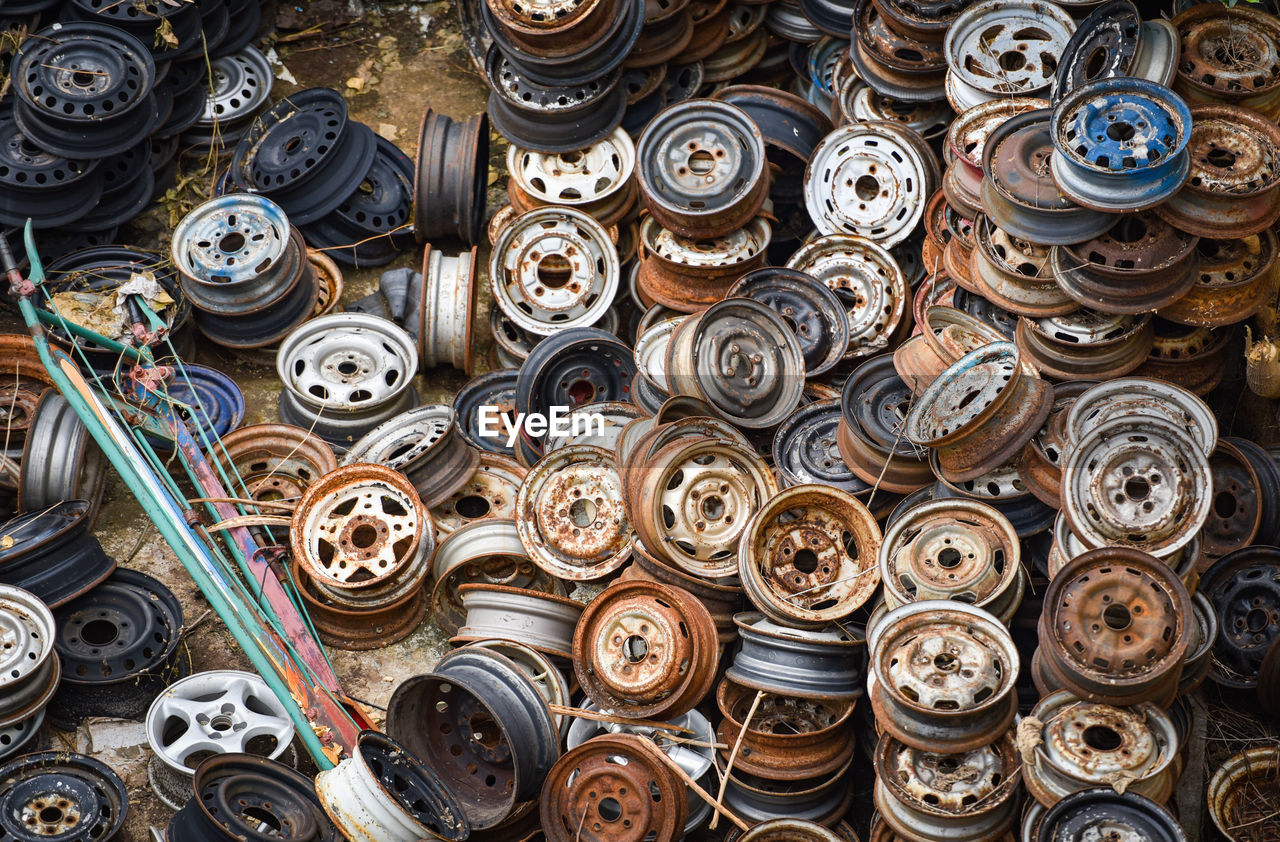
(1133, 482)
(1040, 463)
(1116, 625)
(1203, 32)
(1237, 511)
(1085, 345)
(357, 526)
(572, 521)
(943, 675)
(276, 461)
(1085, 744)
(1014, 273)
(789, 738)
(647, 801)
(1242, 791)
(1234, 280)
(808, 556)
(688, 275)
(487, 552)
(1135, 396)
(868, 282)
(979, 412)
(329, 278)
(646, 650)
(952, 549)
(695, 501)
(489, 493)
(965, 796)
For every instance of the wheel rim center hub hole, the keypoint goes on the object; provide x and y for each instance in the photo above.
(1121, 131)
(582, 512)
(867, 187)
(472, 506)
(292, 145)
(581, 391)
(635, 649)
(231, 242)
(701, 162)
(946, 662)
(949, 557)
(265, 821)
(364, 536)
(484, 730)
(1012, 60)
(712, 507)
(610, 810)
(53, 810)
(1117, 617)
(84, 79)
(1137, 488)
(99, 632)
(1221, 158)
(1101, 738)
(806, 561)
(554, 271)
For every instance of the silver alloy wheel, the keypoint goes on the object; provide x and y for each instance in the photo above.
(215, 712)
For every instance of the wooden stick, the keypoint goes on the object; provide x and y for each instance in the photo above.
(251, 520)
(733, 756)
(597, 716)
(266, 504)
(702, 793)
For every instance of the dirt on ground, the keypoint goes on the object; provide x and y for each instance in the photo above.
(391, 61)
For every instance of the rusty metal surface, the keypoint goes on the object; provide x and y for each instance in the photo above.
(645, 650)
(690, 275)
(588, 797)
(1085, 345)
(954, 549)
(1233, 189)
(363, 628)
(1132, 481)
(1140, 265)
(277, 462)
(942, 676)
(1244, 794)
(570, 515)
(1082, 745)
(357, 526)
(1233, 283)
(788, 738)
(1115, 627)
(1193, 357)
(485, 552)
(1238, 500)
(980, 412)
(489, 493)
(970, 796)
(808, 556)
(1040, 463)
(1214, 66)
(720, 599)
(1014, 273)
